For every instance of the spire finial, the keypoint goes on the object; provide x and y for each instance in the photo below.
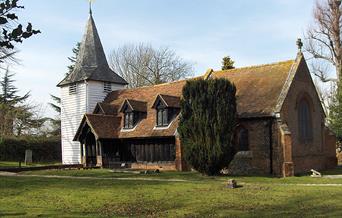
(90, 10)
(299, 44)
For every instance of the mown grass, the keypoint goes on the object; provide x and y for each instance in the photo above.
(7, 164)
(191, 176)
(16, 164)
(198, 196)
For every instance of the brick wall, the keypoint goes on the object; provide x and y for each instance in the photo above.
(317, 153)
(260, 153)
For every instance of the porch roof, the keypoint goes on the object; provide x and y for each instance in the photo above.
(102, 126)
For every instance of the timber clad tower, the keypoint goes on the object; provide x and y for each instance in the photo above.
(89, 83)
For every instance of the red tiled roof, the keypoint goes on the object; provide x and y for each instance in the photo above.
(258, 89)
(140, 106)
(169, 101)
(103, 126)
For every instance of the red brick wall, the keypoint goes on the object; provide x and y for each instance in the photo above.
(316, 153)
(259, 146)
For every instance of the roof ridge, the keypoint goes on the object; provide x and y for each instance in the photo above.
(100, 115)
(150, 86)
(257, 66)
(196, 77)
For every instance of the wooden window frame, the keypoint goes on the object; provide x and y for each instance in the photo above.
(129, 121)
(162, 116)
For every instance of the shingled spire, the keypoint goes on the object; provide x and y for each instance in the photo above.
(91, 62)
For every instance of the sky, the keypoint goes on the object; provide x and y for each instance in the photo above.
(202, 32)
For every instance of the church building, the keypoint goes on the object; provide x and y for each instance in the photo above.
(281, 123)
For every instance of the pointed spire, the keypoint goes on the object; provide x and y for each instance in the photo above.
(91, 61)
(90, 11)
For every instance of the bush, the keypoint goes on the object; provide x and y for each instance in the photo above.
(208, 119)
(43, 149)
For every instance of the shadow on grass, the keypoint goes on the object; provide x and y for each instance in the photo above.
(9, 214)
(292, 206)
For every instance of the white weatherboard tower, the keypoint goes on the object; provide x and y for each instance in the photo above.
(89, 83)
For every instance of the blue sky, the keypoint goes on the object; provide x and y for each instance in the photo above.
(200, 31)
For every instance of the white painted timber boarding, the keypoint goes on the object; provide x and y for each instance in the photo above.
(73, 107)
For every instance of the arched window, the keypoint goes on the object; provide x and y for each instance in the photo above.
(243, 141)
(304, 121)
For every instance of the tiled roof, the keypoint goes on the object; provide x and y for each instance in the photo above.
(91, 62)
(258, 89)
(102, 126)
(107, 109)
(169, 101)
(140, 106)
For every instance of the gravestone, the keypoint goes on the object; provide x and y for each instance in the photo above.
(28, 157)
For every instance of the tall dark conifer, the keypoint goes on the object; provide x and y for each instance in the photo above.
(9, 93)
(9, 103)
(208, 119)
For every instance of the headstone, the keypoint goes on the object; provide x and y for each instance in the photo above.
(28, 157)
(315, 173)
(232, 184)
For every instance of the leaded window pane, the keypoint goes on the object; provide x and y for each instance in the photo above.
(304, 119)
(160, 117)
(165, 120)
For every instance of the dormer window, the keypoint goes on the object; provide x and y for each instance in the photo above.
(107, 87)
(167, 108)
(72, 89)
(129, 120)
(162, 115)
(133, 111)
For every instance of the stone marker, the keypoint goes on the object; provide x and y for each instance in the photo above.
(28, 157)
(315, 173)
(231, 183)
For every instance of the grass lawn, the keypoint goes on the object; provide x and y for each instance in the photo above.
(197, 196)
(7, 164)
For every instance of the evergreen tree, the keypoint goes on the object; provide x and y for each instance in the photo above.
(208, 119)
(9, 100)
(9, 92)
(227, 63)
(57, 103)
(56, 122)
(73, 58)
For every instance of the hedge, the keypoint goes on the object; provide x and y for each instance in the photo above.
(43, 149)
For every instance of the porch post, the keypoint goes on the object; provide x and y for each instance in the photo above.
(84, 154)
(98, 153)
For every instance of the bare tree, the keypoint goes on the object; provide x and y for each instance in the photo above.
(324, 39)
(142, 65)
